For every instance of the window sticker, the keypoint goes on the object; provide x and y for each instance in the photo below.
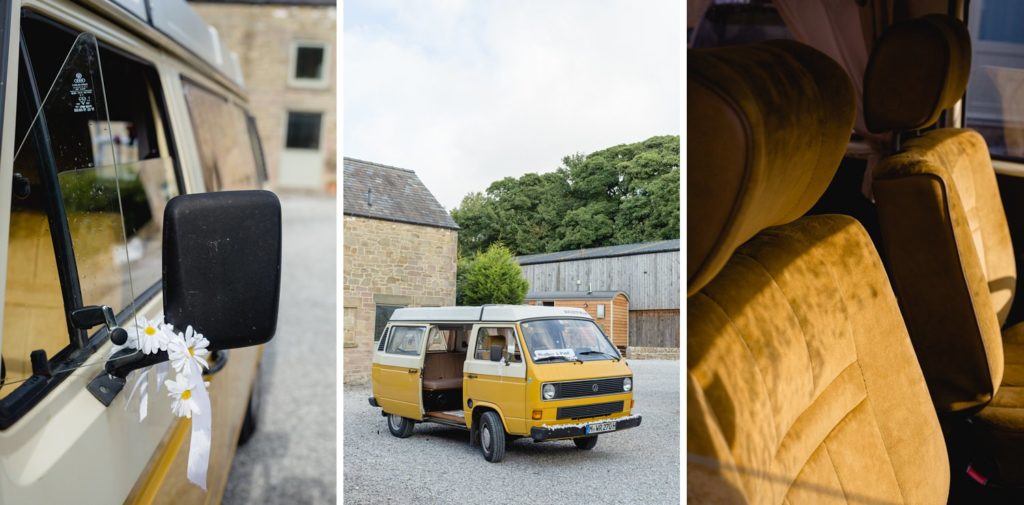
(565, 353)
(83, 92)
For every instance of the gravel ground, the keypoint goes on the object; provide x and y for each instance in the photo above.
(437, 465)
(291, 458)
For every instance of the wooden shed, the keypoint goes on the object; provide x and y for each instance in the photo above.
(648, 273)
(610, 309)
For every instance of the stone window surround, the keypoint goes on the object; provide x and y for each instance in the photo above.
(299, 82)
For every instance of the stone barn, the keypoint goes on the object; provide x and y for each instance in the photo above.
(648, 274)
(400, 249)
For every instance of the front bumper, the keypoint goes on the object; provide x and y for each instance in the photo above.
(373, 402)
(580, 430)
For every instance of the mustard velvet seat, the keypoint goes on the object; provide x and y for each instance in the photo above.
(946, 240)
(802, 384)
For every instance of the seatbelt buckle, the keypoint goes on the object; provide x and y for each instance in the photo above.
(976, 475)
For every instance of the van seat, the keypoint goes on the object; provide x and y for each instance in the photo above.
(443, 370)
(802, 383)
(948, 244)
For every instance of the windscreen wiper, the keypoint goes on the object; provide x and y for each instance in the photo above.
(616, 358)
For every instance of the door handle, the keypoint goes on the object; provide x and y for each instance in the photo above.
(471, 376)
(413, 370)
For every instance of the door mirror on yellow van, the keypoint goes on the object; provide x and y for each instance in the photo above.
(222, 266)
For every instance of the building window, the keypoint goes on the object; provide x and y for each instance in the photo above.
(303, 130)
(600, 311)
(381, 319)
(309, 65)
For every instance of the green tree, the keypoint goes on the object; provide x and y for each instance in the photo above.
(492, 276)
(620, 195)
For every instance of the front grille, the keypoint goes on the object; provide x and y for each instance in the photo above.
(584, 411)
(578, 389)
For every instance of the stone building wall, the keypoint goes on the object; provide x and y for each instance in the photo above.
(394, 264)
(262, 36)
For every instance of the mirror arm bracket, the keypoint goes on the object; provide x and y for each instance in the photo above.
(106, 386)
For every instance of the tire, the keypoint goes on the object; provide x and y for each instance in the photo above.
(252, 411)
(585, 443)
(400, 426)
(492, 437)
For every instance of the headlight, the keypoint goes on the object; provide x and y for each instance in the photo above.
(548, 391)
(627, 384)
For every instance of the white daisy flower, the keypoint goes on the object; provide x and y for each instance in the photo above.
(187, 352)
(180, 389)
(152, 335)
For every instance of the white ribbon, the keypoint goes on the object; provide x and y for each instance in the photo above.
(141, 384)
(199, 445)
(161, 372)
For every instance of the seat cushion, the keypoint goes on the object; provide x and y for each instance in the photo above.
(440, 384)
(802, 383)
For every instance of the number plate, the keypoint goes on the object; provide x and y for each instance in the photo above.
(600, 427)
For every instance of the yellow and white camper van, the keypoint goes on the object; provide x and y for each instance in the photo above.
(122, 125)
(548, 373)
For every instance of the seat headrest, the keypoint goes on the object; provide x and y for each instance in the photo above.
(767, 125)
(917, 69)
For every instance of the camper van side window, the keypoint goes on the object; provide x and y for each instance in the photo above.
(405, 340)
(995, 95)
(487, 337)
(222, 136)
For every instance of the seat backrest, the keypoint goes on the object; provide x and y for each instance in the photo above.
(802, 384)
(944, 230)
(443, 365)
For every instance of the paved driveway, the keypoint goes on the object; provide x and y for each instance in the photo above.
(436, 464)
(291, 458)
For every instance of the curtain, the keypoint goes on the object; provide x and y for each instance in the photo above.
(844, 30)
(695, 10)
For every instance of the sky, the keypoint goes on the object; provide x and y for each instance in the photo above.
(466, 92)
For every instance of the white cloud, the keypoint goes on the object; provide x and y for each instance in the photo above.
(467, 92)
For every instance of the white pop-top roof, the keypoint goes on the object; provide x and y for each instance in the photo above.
(484, 313)
(177, 20)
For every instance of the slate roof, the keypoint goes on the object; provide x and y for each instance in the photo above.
(601, 252)
(390, 193)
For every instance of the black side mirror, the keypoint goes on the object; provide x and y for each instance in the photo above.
(496, 352)
(222, 266)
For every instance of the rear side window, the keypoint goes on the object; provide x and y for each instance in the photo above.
(405, 340)
(995, 90)
(731, 22)
(225, 144)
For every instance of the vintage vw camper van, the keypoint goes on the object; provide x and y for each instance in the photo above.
(130, 176)
(502, 371)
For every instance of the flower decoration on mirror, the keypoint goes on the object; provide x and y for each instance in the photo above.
(180, 390)
(152, 336)
(188, 352)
